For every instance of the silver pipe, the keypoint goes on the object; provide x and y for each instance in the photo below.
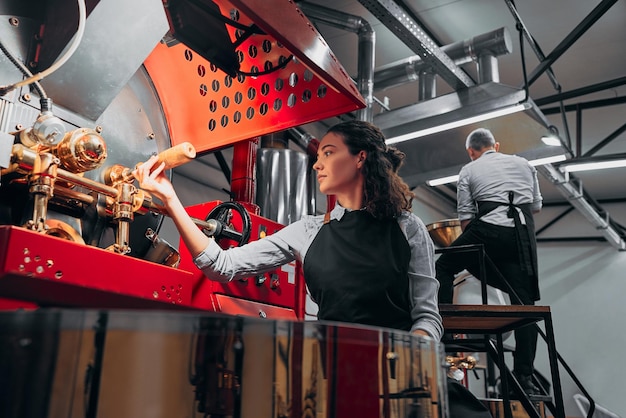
(495, 43)
(300, 138)
(366, 48)
(366, 63)
(427, 85)
(488, 69)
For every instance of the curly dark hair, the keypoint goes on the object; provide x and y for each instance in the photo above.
(386, 194)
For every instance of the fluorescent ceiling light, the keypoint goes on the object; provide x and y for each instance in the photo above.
(547, 160)
(460, 122)
(551, 140)
(539, 161)
(594, 165)
(442, 180)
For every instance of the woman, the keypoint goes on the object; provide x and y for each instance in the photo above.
(368, 261)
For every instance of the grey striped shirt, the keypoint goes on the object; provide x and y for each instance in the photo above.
(490, 178)
(292, 243)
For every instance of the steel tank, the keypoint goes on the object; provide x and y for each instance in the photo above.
(284, 185)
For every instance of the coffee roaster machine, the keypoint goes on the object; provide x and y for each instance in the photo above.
(91, 296)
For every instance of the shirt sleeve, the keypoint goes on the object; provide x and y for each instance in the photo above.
(423, 286)
(252, 258)
(466, 206)
(537, 198)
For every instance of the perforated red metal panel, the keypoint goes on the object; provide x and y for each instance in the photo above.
(211, 109)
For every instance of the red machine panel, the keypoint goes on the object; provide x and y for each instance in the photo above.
(277, 294)
(52, 271)
(288, 77)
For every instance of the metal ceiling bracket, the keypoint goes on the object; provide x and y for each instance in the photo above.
(408, 31)
(576, 198)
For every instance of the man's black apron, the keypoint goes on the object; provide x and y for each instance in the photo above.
(356, 270)
(525, 237)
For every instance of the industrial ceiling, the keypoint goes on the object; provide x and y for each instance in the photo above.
(566, 55)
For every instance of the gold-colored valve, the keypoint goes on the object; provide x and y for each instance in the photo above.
(467, 362)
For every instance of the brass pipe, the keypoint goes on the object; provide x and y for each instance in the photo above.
(210, 226)
(90, 184)
(24, 159)
(67, 193)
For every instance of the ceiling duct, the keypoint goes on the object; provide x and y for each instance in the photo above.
(434, 148)
(432, 132)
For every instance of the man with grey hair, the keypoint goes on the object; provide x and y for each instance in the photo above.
(497, 195)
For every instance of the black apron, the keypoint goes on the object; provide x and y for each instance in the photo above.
(525, 236)
(357, 271)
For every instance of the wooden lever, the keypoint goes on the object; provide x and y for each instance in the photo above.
(177, 155)
(172, 157)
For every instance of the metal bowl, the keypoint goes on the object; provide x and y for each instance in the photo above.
(444, 232)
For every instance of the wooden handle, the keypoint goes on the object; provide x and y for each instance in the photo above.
(178, 155)
(172, 157)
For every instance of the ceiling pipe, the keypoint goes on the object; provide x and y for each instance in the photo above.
(427, 85)
(411, 33)
(482, 48)
(366, 48)
(432, 61)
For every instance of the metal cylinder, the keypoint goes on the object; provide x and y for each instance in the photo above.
(495, 43)
(283, 179)
(488, 69)
(427, 85)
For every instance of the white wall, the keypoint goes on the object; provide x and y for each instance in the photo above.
(584, 285)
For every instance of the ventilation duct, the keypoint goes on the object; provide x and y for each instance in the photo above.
(434, 151)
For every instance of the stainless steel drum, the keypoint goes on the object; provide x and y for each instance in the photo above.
(118, 364)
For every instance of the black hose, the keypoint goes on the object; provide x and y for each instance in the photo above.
(45, 102)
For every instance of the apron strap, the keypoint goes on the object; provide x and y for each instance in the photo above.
(522, 233)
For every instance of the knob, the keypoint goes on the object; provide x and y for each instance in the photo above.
(274, 281)
(260, 279)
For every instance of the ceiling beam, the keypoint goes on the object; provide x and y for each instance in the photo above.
(411, 33)
(577, 199)
(531, 41)
(570, 39)
(605, 141)
(585, 105)
(583, 91)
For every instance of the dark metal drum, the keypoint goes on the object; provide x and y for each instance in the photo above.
(105, 364)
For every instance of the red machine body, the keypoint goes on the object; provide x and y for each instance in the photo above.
(278, 294)
(45, 270)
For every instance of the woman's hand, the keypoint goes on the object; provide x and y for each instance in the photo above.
(152, 179)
